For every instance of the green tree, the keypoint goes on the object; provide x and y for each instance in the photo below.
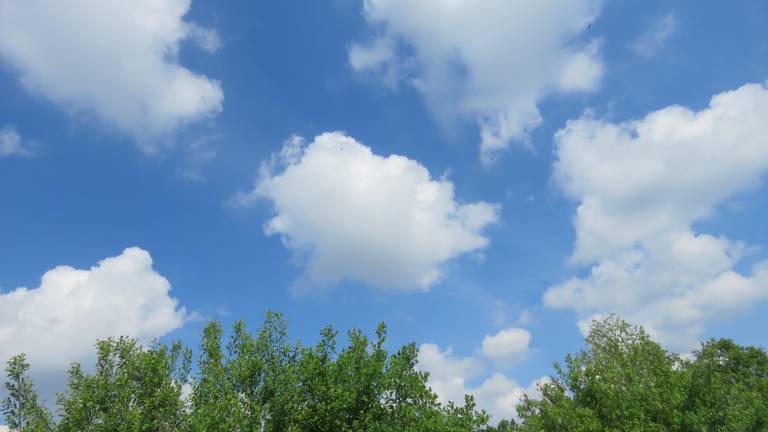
(728, 388)
(132, 389)
(622, 381)
(21, 409)
(215, 403)
(363, 388)
(250, 383)
(265, 383)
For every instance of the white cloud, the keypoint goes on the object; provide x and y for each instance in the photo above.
(654, 38)
(11, 143)
(448, 376)
(379, 57)
(207, 39)
(59, 322)
(524, 318)
(358, 216)
(111, 59)
(491, 61)
(507, 347)
(641, 185)
(447, 373)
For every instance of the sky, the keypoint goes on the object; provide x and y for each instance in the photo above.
(486, 177)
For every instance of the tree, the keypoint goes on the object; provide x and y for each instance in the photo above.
(362, 387)
(248, 385)
(625, 381)
(21, 409)
(728, 388)
(264, 383)
(132, 389)
(622, 381)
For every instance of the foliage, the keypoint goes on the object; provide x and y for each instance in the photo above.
(625, 381)
(21, 408)
(131, 389)
(621, 381)
(728, 388)
(265, 383)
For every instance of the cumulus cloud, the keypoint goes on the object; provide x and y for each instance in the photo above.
(58, 322)
(11, 143)
(490, 61)
(449, 376)
(653, 39)
(354, 215)
(111, 59)
(507, 347)
(641, 185)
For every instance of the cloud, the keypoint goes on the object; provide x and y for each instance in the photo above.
(58, 322)
(11, 143)
(447, 373)
(207, 39)
(507, 347)
(490, 61)
(641, 185)
(111, 59)
(379, 58)
(653, 39)
(448, 376)
(358, 216)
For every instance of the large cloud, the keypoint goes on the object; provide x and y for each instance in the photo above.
(359, 216)
(116, 60)
(449, 375)
(59, 322)
(489, 60)
(640, 186)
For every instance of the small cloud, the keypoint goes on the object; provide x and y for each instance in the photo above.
(507, 347)
(207, 39)
(11, 143)
(524, 318)
(500, 313)
(450, 376)
(197, 155)
(653, 39)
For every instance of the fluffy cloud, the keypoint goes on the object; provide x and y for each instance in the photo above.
(507, 346)
(448, 376)
(358, 216)
(11, 143)
(491, 61)
(654, 38)
(447, 373)
(58, 322)
(111, 59)
(641, 185)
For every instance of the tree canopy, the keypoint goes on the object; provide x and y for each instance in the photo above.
(624, 381)
(621, 381)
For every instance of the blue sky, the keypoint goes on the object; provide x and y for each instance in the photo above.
(165, 136)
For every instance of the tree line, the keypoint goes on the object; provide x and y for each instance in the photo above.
(621, 380)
